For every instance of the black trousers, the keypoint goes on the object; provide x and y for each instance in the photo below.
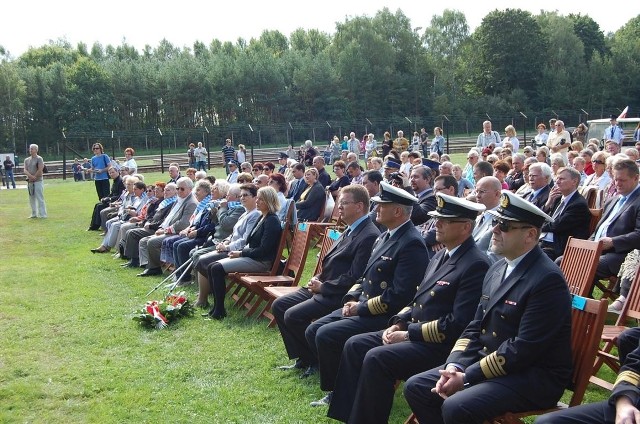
(326, 338)
(365, 384)
(294, 313)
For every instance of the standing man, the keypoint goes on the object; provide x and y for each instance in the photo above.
(421, 336)
(400, 144)
(341, 266)
(397, 262)
(559, 140)
(33, 168)
(228, 154)
(353, 144)
(488, 137)
(8, 168)
(516, 353)
(424, 142)
(613, 131)
(200, 154)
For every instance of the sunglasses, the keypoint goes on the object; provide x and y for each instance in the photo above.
(505, 226)
(599, 162)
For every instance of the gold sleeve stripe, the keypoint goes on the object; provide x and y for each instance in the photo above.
(493, 366)
(376, 307)
(430, 332)
(404, 310)
(355, 287)
(630, 377)
(461, 345)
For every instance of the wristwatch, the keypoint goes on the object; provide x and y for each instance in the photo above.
(465, 383)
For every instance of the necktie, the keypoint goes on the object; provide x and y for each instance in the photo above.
(559, 209)
(602, 230)
(612, 131)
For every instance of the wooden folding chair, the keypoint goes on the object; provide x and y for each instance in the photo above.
(590, 194)
(587, 320)
(579, 263)
(596, 214)
(630, 310)
(290, 276)
(272, 292)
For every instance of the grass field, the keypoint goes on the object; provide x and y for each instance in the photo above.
(71, 353)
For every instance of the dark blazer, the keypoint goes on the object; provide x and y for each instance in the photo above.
(447, 298)
(262, 243)
(573, 221)
(522, 329)
(426, 203)
(203, 225)
(159, 216)
(344, 263)
(392, 274)
(541, 198)
(296, 188)
(515, 180)
(309, 209)
(625, 228)
(324, 178)
(117, 187)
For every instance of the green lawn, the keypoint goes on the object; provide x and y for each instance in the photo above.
(70, 351)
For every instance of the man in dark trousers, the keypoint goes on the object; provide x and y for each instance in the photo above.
(421, 336)
(397, 262)
(624, 402)
(516, 353)
(341, 266)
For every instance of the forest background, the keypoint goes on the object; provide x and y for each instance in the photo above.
(373, 74)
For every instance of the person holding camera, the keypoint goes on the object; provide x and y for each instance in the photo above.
(559, 140)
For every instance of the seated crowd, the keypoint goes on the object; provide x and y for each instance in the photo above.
(425, 239)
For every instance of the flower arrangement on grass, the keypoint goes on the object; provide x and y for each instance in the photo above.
(160, 313)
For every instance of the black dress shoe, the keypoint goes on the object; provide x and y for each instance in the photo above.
(298, 365)
(150, 271)
(217, 315)
(312, 369)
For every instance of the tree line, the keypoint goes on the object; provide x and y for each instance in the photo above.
(378, 72)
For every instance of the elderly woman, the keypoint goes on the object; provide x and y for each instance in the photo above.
(309, 153)
(257, 169)
(342, 179)
(130, 162)
(312, 198)
(557, 162)
(600, 176)
(199, 225)
(258, 254)
(542, 154)
(510, 137)
(134, 200)
(117, 188)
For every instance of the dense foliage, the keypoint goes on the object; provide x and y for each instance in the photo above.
(374, 73)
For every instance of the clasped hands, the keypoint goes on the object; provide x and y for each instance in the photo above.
(451, 381)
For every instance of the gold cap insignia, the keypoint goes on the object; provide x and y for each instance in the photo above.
(440, 201)
(504, 202)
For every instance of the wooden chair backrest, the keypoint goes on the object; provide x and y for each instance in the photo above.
(631, 308)
(281, 245)
(596, 214)
(327, 242)
(298, 252)
(587, 322)
(579, 264)
(590, 193)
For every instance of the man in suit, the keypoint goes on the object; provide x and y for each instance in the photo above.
(421, 336)
(488, 192)
(323, 177)
(623, 404)
(539, 179)
(341, 266)
(570, 213)
(515, 179)
(388, 283)
(421, 179)
(176, 221)
(515, 355)
(297, 186)
(619, 226)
